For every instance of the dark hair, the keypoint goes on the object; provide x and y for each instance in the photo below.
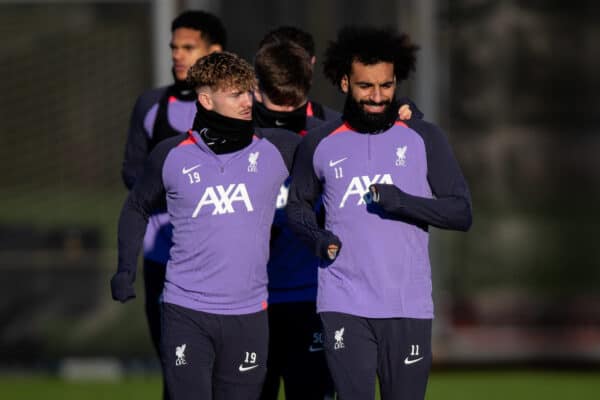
(284, 73)
(210, 26)
(222, 71)
(369, 46)
(290, 34)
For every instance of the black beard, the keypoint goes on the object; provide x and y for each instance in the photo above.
(366, 122)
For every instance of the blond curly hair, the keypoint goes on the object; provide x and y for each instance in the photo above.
(222, 71)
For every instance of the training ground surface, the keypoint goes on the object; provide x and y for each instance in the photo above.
(489, 385)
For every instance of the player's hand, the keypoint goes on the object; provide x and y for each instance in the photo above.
(405, 112)
(372, 196)
(121, 287)
(332, 251)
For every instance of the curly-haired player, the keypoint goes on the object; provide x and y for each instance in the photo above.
(220, 182)
(383, 183)
(158, 114)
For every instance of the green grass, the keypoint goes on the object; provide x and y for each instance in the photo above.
(488, 385)
(514, 385)
(65, 207)
(37, 388)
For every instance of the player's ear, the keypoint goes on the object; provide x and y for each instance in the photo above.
(344, 84)
(205, 100)
(215, 48)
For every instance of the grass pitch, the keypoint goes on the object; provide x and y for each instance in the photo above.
(461, 385)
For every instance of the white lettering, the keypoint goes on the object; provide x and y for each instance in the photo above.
(222, 199)
(360, 185)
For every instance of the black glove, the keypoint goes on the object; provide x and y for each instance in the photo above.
(372, 196)
(323, 247)
(121, 286)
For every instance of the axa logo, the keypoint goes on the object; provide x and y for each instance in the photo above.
(401, 156)
(339, 339)
(359, 185)
(180, 354)
(223, 199)
(253, 162)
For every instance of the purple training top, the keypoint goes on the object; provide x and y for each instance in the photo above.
(382, 269)
(221, 208)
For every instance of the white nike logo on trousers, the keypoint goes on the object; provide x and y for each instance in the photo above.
(244, 369)
(407, 361)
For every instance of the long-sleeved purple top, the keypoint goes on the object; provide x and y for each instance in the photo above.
(221, 208)
(383, 268)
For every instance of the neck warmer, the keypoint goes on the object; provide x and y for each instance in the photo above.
(222, 134)
(292, 120)
(364, 122)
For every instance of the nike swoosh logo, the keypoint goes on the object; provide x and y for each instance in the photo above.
(407, 361)
(188, 170)
(244, 369)
(334, 163)
(313, 349)
(279, 123)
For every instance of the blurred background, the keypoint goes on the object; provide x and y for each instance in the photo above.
(514, 84)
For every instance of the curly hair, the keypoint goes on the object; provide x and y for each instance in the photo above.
(284, 73)
(369, 46)
(222, 71)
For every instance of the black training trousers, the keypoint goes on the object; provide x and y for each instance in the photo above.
(213, 356)
(397, 350)
(296, 353)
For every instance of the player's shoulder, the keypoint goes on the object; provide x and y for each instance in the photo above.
(278, 136)
(316, 136)
(325, 129)
(286, 142)
(426, 129)
(150, 97)
(321, 112)
(168, 144)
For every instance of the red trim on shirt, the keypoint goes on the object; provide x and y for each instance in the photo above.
(189, 140)
(172, 99)
(346, 127)
(342, 128)
(309, 110)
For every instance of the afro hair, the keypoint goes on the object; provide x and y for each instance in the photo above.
(369, 46)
